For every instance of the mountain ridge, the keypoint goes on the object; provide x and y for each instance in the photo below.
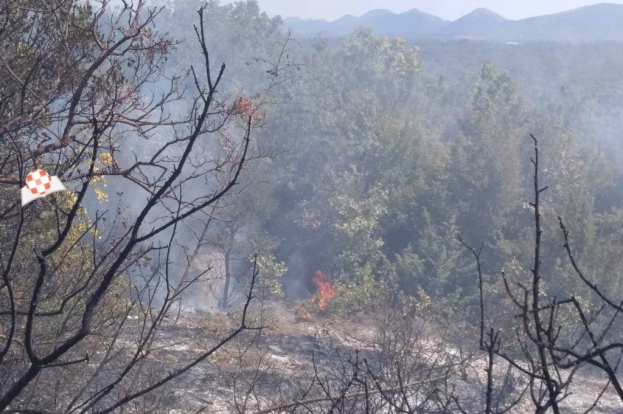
(599, 22)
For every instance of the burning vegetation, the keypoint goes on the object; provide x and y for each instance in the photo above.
(325, 289)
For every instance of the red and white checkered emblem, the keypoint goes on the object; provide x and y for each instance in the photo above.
(38, 182)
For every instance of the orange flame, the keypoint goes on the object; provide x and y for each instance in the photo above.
(325, 289)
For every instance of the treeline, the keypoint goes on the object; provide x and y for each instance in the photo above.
(343, 162)
(379, 163)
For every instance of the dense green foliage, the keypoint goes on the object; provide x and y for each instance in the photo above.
(340, 170)
(387, 151)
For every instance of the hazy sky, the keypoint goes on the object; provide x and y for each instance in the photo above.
(447, 9)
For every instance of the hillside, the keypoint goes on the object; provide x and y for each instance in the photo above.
(294, 358)
(257, 222)
(599, 22)
(585, 24)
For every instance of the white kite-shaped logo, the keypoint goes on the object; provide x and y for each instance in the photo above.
(39, 184)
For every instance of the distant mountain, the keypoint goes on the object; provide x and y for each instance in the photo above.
(377, 13)
(481, 23)
(598, 22)
(413, 22)
(479, 16)
(590, 23)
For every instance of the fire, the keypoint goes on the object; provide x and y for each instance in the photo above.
(325, 289)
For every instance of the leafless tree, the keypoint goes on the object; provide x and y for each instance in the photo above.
(83, 294)
(546, 349)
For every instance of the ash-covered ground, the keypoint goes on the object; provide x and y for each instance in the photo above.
(288, 360)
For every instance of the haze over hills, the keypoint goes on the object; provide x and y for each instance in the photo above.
(590, 23)
(383, 21)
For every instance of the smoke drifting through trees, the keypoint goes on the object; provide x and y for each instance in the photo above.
(91, 275)
(353, 156)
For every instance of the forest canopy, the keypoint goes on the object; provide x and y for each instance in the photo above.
(386, 149)
(381, 150)
(332, 171)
